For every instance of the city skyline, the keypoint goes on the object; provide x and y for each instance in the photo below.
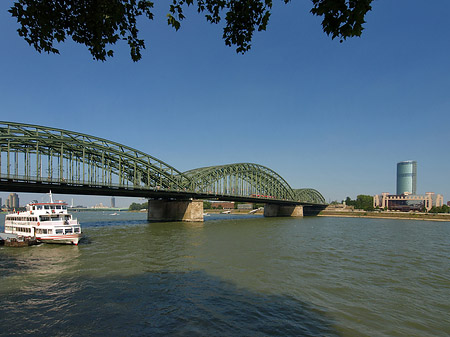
(325, 115)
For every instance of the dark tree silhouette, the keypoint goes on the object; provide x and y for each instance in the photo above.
(98, 24)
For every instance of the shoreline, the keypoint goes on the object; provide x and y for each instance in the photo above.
(402, 216)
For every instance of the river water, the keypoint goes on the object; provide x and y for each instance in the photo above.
(232, 276)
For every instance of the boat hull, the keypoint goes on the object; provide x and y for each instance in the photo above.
(73, 239)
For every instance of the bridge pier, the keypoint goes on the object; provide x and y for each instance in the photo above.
(175, 210)
(272, 210)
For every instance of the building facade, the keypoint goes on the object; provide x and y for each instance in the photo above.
(407, 177)
(245, 206)
(222, 204)
(408, 202)
(12, 201)
(406, 198)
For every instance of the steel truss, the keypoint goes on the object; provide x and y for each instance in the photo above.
(36, 154)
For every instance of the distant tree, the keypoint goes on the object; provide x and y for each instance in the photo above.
(133, 207)
(441, 209)
(433, 209)
(207, 204)
(99, 24)
(137, 207)
(364, 202)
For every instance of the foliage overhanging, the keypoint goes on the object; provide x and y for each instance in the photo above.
(99, 24)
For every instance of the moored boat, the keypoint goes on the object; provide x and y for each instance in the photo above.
(46, 222)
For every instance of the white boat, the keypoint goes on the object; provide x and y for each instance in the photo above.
(225, 212)
(47, 222)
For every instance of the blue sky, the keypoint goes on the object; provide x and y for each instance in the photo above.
(333, 116)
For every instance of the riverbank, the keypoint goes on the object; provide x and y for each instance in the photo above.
(387, 215)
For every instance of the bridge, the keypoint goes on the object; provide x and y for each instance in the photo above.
(37, 159)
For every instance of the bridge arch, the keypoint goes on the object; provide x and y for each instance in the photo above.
(50, 154)
(32, 155)
(242, 179)
(309, 195)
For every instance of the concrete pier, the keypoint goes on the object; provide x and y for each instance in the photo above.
(271, 210)
(175, 210)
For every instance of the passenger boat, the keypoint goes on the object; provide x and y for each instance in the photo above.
(47, 222)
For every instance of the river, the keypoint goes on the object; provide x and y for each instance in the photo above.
(232, 276)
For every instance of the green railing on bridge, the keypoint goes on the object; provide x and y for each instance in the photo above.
(39, 154)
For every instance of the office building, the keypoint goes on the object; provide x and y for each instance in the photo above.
(407, 177)
(408, 202)
(12, 201)
(406, 198)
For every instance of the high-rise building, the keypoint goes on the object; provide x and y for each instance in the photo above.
(12, 201)
(407, 177)
(113, 202)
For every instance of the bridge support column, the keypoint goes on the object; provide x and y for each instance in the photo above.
(175, 210)
(271, 210)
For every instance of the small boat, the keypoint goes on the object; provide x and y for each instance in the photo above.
(45, 222)
(205, 214)
(253, 211)
(114, 213)
(225, 212)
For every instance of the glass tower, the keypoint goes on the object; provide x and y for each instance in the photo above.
(406, 177)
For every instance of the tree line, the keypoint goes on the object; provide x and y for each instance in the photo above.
(362, 201)
(137, 207)
(442, 209)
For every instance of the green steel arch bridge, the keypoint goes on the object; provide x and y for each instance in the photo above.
(36, 158)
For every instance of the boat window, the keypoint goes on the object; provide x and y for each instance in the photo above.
(44, 231)
(49, 231)
(58, 231)
(64, 207)
(58, 206)
(76, 230)
(68, 231)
